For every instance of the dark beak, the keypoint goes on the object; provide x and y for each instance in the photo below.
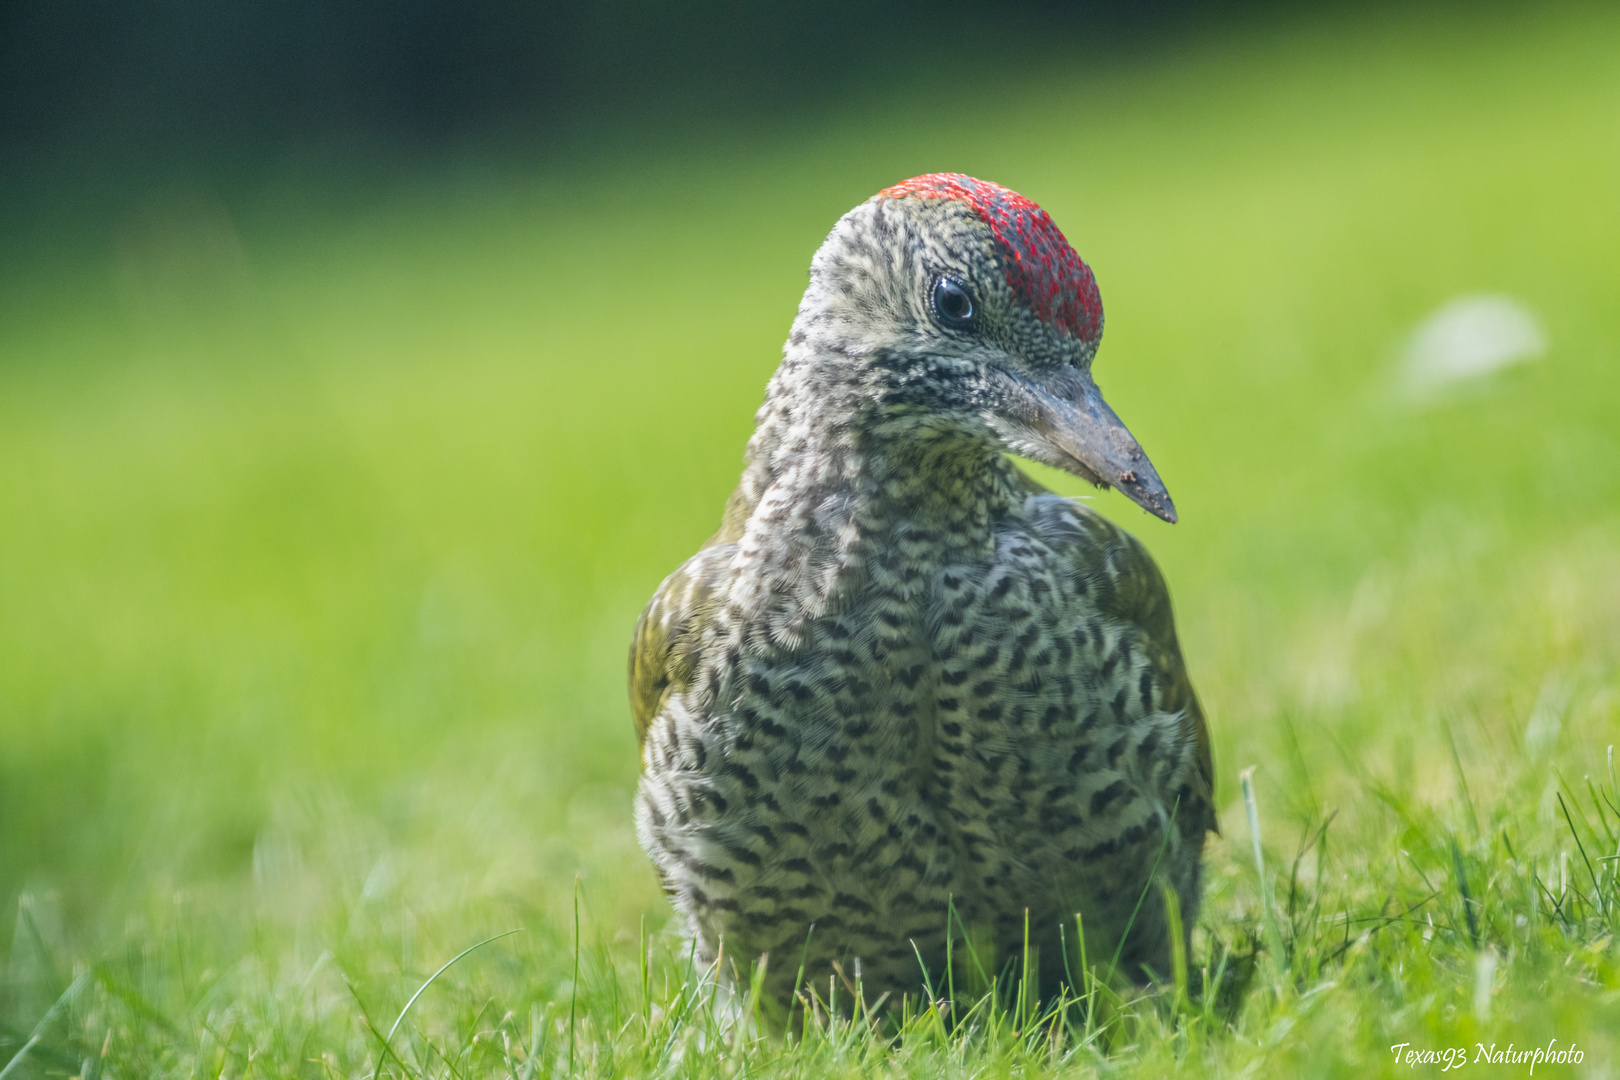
(1066, 423)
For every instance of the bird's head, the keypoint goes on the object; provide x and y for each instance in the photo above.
(972, 299)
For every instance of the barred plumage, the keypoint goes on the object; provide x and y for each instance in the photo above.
(902, 677)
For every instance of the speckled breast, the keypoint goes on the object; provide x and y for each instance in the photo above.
(982, 736)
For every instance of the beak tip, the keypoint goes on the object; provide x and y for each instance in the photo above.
(1148, 493)
(1161, 508)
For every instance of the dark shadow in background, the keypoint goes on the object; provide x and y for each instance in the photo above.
(129, 76)
(92, 89)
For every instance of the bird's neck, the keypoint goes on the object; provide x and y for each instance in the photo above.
(844, 471)
(863, 431)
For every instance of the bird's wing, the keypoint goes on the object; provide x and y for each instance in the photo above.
(1125, 582)
(664, 649)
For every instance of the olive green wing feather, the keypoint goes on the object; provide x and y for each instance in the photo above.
(1140, 594)
(1125, 582)
(664, 649)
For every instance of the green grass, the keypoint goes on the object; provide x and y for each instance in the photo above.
(324, 533)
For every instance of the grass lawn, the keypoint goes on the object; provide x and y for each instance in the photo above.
(324, 532)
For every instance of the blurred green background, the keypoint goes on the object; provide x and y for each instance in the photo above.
(344, 432)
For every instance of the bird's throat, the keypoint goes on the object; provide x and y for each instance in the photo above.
(836, 484)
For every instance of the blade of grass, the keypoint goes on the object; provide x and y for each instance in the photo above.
(1462, 777)
(1252, 807)
(135, 1001)
(17, 1058)
(1597, 890)
(1068, 975)
(933, 1000)
(45, 1021)
(1119, 949)
(1603, 819)
(365, 1019)
(573, 987)
(1021, 1010)
(1178, 944)
(756, 987)
(643, 961)
(447, 965)
(1467, 897)
(798, 980)
(967, 940)
(1085, 972)
(536, 1041)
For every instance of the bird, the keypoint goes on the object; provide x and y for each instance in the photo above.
(908, 707)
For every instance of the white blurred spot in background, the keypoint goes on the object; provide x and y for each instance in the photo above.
(1465, 340)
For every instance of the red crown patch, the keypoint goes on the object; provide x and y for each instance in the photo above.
(1042, 269)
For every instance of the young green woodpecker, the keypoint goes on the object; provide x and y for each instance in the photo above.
(905, 694)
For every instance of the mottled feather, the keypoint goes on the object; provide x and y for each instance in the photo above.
(903, 679)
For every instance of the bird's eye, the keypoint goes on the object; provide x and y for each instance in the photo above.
(952, 303)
